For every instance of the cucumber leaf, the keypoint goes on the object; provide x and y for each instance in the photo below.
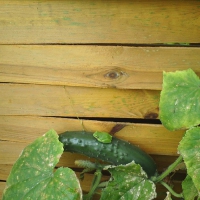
(189, 189)
(179, 100)
(32, 175)
(128, 182)
(189, 148)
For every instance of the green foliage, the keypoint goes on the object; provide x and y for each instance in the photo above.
(180, 108)
(189, 189)
(189, 148)
(179, 101)
(128, 182)
(32, 175)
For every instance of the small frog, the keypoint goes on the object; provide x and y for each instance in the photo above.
(103, 137)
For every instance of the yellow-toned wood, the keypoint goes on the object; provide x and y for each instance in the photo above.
(17, 132)
(2, 187)
(85, 59)
(94, 66)
(10, 151)
(46, 100)
(5, 171)
(91, 21)
(68, 159)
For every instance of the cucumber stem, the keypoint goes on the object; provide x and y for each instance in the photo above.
(171, 190)
(89, 164)
(85, 164)
(95, 183)
(103, 184)
(168, 170)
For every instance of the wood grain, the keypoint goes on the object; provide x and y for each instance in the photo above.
(18, 131)
(68, 160)
(140, 21)
(2, 187)
(46, 100)
(94, 66)
(98, 59)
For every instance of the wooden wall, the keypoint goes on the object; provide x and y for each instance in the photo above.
(99, 61)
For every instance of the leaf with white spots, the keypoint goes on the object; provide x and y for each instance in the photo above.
(189, 189)
(32, 175)
(128, 182)
(189, 148)
(179, 100)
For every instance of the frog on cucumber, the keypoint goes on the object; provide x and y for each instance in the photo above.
(103, 137)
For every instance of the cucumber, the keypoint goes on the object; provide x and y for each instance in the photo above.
(117, 152)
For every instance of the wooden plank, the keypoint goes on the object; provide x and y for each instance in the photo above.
(138, 21)
(46, 100)
(18, 131)
(94, 66)
(2, 186)
(9, 157)
(10, 151)
(68, 160)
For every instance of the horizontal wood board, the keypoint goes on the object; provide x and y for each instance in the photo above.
(49, 100)
(139, 21)
(19, 131)
(94, 66)
(96, 60)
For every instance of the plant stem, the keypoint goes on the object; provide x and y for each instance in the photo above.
(168, 170)
(103, 184)
(94, 186)
(85, 164)
(89, 164)
(171, 190)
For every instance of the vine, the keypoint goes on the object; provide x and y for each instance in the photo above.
(33, 176)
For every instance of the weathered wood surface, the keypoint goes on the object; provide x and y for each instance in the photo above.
(94, 59)
(68, 160)
(19, 131)
(48, 100)
(114, 21)
(94, 66)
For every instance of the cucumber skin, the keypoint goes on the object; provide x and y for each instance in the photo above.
(117, 152)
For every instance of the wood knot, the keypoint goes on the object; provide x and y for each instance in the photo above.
(115, 74)
(151, 115)
(112, 75)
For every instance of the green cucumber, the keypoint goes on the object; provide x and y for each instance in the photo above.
(117, 152)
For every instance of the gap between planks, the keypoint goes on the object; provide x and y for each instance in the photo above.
(66, 101)
(17, 131)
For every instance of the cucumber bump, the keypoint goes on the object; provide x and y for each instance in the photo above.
(117, 152)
